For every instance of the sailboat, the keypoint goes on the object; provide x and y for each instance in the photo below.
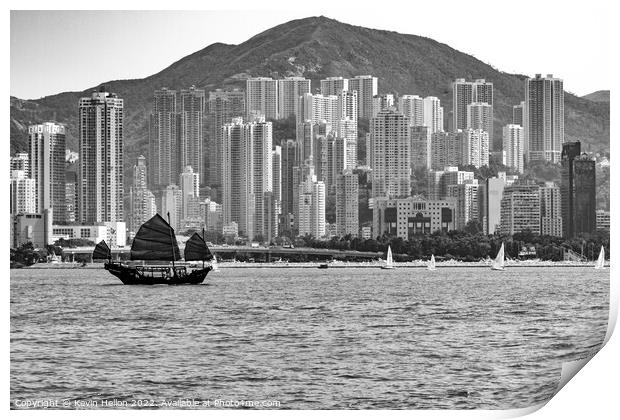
(155, 241)
(600, 262)
(498, 262)
(431, 263)
(214, 264)
(389, 264)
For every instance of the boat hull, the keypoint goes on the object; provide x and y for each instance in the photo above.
(146, 275)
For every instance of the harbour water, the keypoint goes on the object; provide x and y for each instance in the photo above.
(310, 339)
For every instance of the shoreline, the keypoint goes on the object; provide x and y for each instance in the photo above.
(338, 264)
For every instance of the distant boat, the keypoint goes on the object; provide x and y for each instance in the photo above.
(155, 241)
(498, 262)
(323, 266)
(431, 263)
(389, 263)
(600, 262)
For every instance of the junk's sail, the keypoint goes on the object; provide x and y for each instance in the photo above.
(102, 251)
(196, 249)
(155, 241)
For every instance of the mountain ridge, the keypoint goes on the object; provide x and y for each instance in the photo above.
(314, 47)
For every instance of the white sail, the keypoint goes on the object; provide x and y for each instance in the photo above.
(600, 262)
(388, 262)
(498, 262)
(214, 264)
(431, 263)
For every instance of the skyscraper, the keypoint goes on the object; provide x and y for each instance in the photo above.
(347, 105)
(141, 199)
(367, 88)
(47, 168)
(317, 108)
(222, 107)
(334, 85)
(23, 193)
(100, 178)
(191, 139)
(578, 190)
(262, 97)
(189, 181)
(289, 90)
(466, 197)
(276, 158)
(311, 206)
(163, 139)
(433, 114)
(517, 114)
(491, 206)
(513, 146)
(412, 107)
(347, 202)
(172, 206)
(391, 155)
(247, 176)
(289, 152)
(474, 147)
(382, 102)
(480, 117)
(465, 93)
(550, 210)
(544, 111)
(421, 150)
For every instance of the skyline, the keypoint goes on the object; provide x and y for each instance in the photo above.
(31, 40)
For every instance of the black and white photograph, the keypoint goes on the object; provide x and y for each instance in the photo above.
(372, 206)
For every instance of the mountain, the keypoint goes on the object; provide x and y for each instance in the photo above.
(314, 47)
(598, 96)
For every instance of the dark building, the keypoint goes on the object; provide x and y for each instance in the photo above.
(578, 191)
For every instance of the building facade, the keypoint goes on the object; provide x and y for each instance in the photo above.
(100, 178)
(262, 97)
(544, 125)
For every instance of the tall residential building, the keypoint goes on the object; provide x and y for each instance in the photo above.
(191, 138)
(421, 150)
(491, 204)
(289, 152)
(480, 117)
(391, 155)
(518, 117)
(334, 85)
(367, 88)
(276, 159)
(189, 181)
(544, 111)
(47, 168)
(71, 196)
(317, 108)
(311, 206)
(347, 129)
(21, 162)
(347, 202)
(520, 209)
(513, 143)
(100, 180)
(578, 190)
(412, 107)
(222, 107)
(289, 91)
(467, 205)
(474, 148)
(141, 199)
(550, 210)
(347, 105)
(164, 139)
(381, 103)
(446, 149)
(262, 97)
(438, 181)
(172, 206)
(433, 114)
(465, 93)
(23, 193)
(247, 187)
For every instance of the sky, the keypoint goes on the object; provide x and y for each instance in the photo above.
(53, 51)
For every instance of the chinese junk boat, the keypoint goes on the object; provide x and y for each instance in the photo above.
(155, 241)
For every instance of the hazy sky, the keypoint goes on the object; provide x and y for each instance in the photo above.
(57, 51)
